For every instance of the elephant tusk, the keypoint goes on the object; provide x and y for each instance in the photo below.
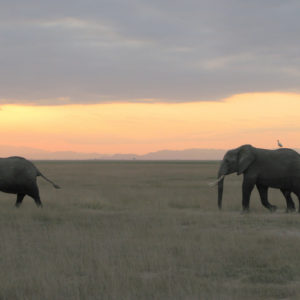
(212, 184)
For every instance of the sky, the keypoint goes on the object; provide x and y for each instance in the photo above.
(138, 76)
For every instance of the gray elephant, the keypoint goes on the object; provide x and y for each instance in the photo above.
(18, 176)
(262, 168)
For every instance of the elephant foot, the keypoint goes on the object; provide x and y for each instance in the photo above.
(245, 211)
(290, 210)
(273, 208)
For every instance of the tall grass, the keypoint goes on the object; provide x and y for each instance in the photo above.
(134, 230)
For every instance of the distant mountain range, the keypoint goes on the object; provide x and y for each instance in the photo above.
(188, 154)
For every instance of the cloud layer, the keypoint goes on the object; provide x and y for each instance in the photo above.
(88, 51)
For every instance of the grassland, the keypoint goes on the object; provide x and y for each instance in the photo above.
(145, 230)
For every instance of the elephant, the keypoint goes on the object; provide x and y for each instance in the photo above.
(262, 168)
(18, 176)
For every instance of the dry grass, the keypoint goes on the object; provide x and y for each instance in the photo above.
(133, 230)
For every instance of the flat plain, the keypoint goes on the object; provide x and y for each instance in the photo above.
(145, 230)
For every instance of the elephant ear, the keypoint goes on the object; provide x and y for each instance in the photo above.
(245, 158)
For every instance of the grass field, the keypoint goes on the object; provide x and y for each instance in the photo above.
(145, 230)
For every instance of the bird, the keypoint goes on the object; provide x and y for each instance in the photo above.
(279, 144)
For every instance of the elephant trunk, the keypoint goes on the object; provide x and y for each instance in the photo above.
(220, 191)
(221, 175)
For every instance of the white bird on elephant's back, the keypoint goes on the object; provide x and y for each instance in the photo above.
(279, 144)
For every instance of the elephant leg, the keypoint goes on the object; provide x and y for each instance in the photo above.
(37, 200)
(263, 193)
(19, 200)
(34, 193)
(298, 196)
(247, 189)
(290, 205)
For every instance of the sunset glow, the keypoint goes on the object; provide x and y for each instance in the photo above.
(259, 119)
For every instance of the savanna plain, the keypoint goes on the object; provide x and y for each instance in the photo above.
(145, 230)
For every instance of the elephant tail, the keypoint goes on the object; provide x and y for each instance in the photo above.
(55, 185)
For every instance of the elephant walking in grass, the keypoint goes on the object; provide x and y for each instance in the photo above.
(18, 176)
(262, 168)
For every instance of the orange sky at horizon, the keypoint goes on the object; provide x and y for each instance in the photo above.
(258, 119)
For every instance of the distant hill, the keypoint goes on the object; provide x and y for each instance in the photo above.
(187, 154)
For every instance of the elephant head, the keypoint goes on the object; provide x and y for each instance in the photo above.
(236, 160)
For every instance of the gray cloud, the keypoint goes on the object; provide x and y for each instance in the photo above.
(77, 51)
